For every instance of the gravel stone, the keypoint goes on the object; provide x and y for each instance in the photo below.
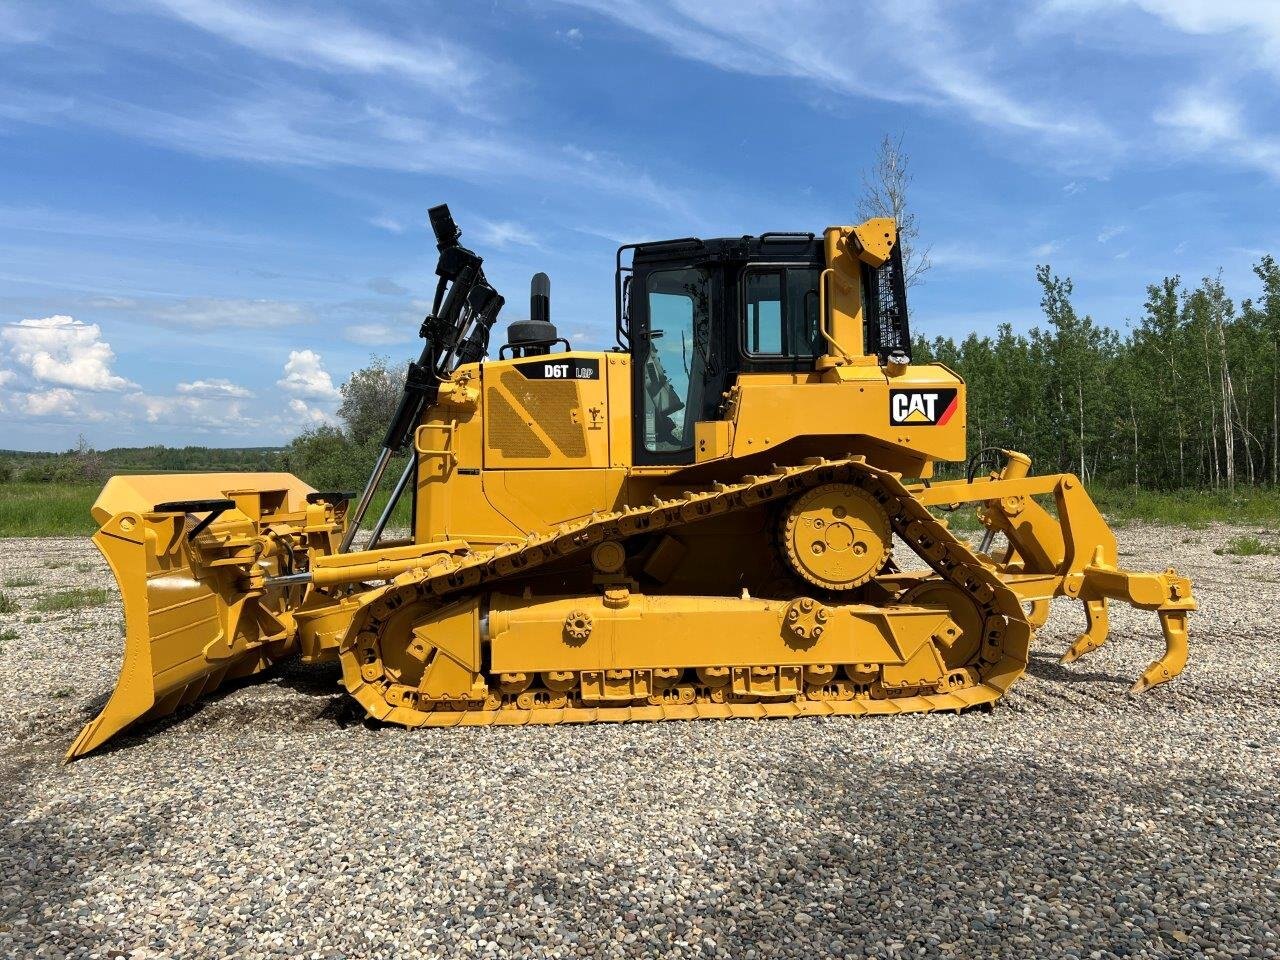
(271, 821)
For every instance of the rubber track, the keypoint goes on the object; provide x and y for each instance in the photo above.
(1003, 657)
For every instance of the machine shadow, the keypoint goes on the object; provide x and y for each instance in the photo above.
(1045, 666)
(318, 682)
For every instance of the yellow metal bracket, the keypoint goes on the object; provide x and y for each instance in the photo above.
(1072, 554)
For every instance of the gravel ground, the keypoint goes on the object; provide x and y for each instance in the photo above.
(1070, 821)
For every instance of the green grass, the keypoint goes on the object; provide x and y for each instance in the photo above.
(46, 509)
(22, 580)
(1190, 508)
(73, 599)
(1183, 508)
(62, 510)
(1249, 546)
(8, 604)
(8, 634)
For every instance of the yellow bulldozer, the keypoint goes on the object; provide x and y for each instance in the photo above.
(730, 513)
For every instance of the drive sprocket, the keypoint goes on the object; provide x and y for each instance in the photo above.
(835, 536)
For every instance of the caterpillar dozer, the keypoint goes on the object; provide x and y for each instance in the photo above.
(730, 513)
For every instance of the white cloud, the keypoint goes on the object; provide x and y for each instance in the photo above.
(390, 224)
(214, 387)
(305, 376)
(1110, 233)
(327, 43)
(1072, 188)
(306, 415)
(6, 377)
(210, 313)
(63, 351)
(503, 234)
(1212, 124)
(1045, 249)
(376, 334)
(58, 401)
(193, 413)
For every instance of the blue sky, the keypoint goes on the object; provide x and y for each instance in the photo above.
(211, 211)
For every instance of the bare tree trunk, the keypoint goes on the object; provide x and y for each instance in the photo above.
(1228, 402)
(1243, 409)
(1213, 410)
(1177, 415)
(1080, 407)
(1133, 416)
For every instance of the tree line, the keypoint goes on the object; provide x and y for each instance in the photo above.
(1187, 396)
(84, 464)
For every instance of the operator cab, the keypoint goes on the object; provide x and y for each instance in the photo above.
(694, 314)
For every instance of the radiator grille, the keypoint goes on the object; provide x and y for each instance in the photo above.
(551, 404)
(508, 433)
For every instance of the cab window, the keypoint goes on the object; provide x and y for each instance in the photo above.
(780, 313)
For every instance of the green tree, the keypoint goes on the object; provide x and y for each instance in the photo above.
(340, 456)
(369, 397)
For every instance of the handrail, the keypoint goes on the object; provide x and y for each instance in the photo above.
(446, 452)
(822, 314)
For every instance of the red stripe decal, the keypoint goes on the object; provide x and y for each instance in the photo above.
(951, 408)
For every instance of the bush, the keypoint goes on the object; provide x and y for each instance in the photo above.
(73, 599)
(1248, 546)
(326, 458)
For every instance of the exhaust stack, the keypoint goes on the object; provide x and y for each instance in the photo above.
(528, 338)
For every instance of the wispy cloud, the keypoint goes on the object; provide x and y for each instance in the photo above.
(930, 63)
(141, 226)
(22, 25)
(503, 234)
(209, 313)
(215, 387)
(1212, 123)
(377, 334)
(1255, 24)
(1110, 233)
(308, 128)
(328, 43)
(387, 287)
(572, 36)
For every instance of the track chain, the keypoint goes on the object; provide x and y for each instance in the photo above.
(1006, 629)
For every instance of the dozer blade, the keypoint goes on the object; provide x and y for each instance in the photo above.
(189, 622)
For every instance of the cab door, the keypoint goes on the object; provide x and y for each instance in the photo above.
(675, 378)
